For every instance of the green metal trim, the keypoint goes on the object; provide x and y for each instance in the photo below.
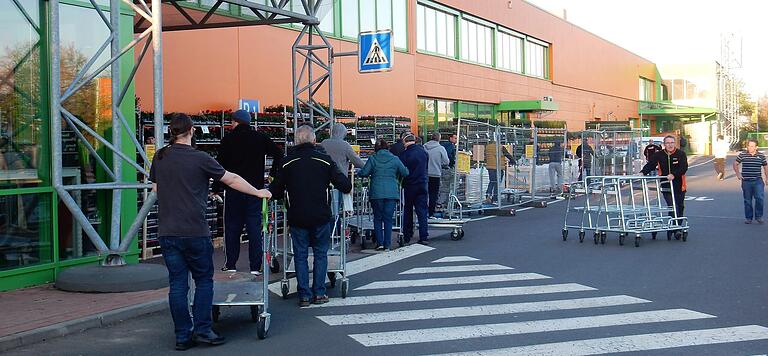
(27, 279)
(477, 20)
(670, 109)
(537, 41)
(438, 6)
(33, 190)
(528, 105)
(124, 9)
(510, 32)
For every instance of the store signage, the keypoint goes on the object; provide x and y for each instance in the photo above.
(249, 105)
(375, 52)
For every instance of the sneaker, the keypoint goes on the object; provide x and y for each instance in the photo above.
(380, 248)
(747, 221)
(210, 338)
(320, 299)
(304, 303)
(256, 273)
(760, 221)
(423, 242)
(186, 345)
(227, 269)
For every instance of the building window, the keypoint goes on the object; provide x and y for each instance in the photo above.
(373, 15)
(435, 31)
(645, 89)
(476, 42)
(536, 60)
(509, 52)
(678, 92)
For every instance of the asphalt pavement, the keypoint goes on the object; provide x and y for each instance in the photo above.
(513, 286)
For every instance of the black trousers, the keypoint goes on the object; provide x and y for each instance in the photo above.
(434, 192)
(679, 201)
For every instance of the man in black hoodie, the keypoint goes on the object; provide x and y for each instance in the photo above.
(242, 152)
(671, 163)
(305, 181)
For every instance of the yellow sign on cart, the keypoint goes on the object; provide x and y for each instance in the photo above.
(150, 150)
(529, 151)
(463, 162)
(356, 148)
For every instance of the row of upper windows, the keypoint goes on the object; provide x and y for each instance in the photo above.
(439, 31)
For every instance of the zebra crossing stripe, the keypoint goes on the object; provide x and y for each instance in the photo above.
(402, 337)
(644, 342)
(456, 294)
(455, 259)
(453, 281)
(448, 269)
(480, 310)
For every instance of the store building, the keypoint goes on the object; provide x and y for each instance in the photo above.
(484, 60)
(38, 236)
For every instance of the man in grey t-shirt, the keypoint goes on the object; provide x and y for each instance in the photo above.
(180, 175)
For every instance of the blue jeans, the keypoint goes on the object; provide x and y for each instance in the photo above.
(753, 190)
(415, 198)
(183, 256)
(242, 209)
(383, 212)
(319, 238)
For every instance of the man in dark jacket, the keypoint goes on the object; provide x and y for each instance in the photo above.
(305, 181)
(415, 191)
(242, 152)
(585, 153)
(450, 148)
(398, 147)
(671, 163)
(651, 150)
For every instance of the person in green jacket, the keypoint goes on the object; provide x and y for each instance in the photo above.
(386, 171)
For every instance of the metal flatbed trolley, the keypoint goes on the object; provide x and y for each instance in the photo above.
(249, 291)
(361, 222)
(627, 205)
(337, 252)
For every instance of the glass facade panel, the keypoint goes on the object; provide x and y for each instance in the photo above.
(23, 111)
(383, 14)
(349, 25)
(463, 40)
(431, 30)
(367, 15)
(535, 60)
(25, 230)
(325, 13)
(450, 34)
(400, 23)
(442, 40)
(421, 28)
(476, 43)
(206, 3)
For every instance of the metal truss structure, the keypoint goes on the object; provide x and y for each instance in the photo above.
(728, 88)
(152, 17)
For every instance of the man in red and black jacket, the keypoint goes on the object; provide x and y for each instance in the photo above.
(243, 151)
(671, 163)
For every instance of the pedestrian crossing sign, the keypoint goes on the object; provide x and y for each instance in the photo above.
(375, 52)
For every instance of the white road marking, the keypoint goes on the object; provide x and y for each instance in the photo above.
(629, 343)
(402, 337)
(453, 281)
(367, 263)
(455, 259)
(230, 298)
(456, 294)
(449, 269)
(480, 310)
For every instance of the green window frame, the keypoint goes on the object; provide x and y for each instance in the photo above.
(436, 31)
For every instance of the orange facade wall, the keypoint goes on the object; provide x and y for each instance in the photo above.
(591, 78)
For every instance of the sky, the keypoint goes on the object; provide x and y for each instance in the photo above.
(679, 31)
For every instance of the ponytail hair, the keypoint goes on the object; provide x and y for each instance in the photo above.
(179, 126)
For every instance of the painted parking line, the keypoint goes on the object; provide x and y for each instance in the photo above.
(455, 259)
(480, 310)
(456, 294)
(402, 337)
(450, 269)
(495, 278)
(629, 343)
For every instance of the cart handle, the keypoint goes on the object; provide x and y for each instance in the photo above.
(264, 215)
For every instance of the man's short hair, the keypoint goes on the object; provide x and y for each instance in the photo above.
(304, 134)
(670, 136)
(752, 140)
(409, 137)
(436, 136)
(405, 133)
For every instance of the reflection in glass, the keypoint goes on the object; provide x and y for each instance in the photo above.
(25, 230)
(22, 109)
(325, 13)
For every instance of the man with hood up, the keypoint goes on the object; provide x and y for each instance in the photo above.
(438, 157)
(341, 151)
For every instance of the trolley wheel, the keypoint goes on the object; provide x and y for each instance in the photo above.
(284, 289)
(685, 236)
(653, 235)
(581, 236)
(255, 313)
(597, 238)
(678, 235)
(332, 278)
(621, 239)
(455, 235)
(669, 235)
(565, 234)
(215, 313)
(637, 241)
(461, 234)
(344, 288)
(274, 265)
(262, 327)
(353, 236)
(603, 237)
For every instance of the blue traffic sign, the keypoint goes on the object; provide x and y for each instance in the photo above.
(375, 52)
(249, 105)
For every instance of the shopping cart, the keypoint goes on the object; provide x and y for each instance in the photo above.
(244, 289)
(626, 205)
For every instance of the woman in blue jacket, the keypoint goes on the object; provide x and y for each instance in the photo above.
(386, 171)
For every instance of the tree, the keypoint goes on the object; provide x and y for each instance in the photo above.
(762, 113)
(746, 104)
